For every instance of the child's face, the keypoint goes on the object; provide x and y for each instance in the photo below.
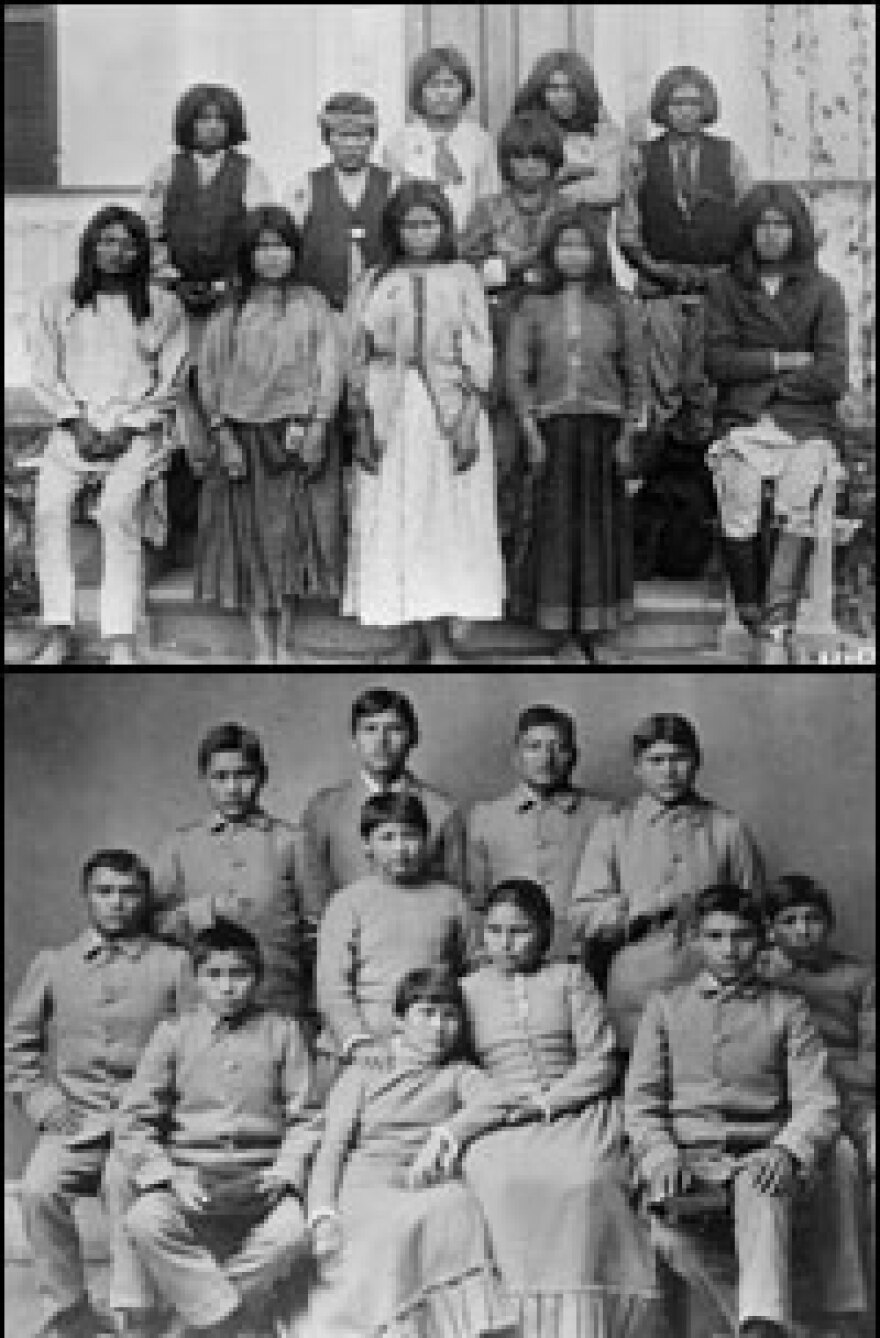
(530, 170)
(350, 149)
(510, 938)
(382, 743)
(431, 1028)
(801, 932)
(233, 784)
(685, 109)
(560, 96)
(543, 758)
(442, 94)
(727, 945)
(227, 983)
(420, 232)
(273, 259)
(396, 851)
(210, 130)
(115, 249)
(116, 903)
(573, 254)
(773, 236)
(666, 771)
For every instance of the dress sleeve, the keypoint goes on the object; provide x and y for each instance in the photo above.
(648, 1092)
(595, 1069)
(145, 1109)
(330, 359)
(596, 900)
(27, 1043)
(342, 1116)
(338, 970)
(477, 349)
(45, 343)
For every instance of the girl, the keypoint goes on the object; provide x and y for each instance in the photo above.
(440, 145)
(424, 546)
(553, 1186)
(269, 377)
(412, 1254)
(575, 364)
(105, 353)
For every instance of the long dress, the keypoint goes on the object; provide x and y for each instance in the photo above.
(258, 540)
(564, 1236)
(424, 540)
(415, 1263)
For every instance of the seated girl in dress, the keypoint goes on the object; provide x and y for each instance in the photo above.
(400, 1254)
(424, 547)
(553, 1183)
(269, 377)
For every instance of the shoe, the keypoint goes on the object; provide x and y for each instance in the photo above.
(742, 561)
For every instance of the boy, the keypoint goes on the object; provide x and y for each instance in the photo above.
(213, 1133)
(384, 731)
(244, 864)
(539, 829)
(729, 1087)
(105, 993)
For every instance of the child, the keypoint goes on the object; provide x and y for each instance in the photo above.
(424, 546)
(554, 1187)
(440, 145)
(103, 994)
(244, 864)
(212, 1130)
(105, 352)
(730, 1087)
(390, 922)
(269, 377)
(538, 830)
(384, 732)
(576, 378)
(643, 866)
(410, 1256)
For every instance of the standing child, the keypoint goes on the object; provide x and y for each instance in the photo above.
(384, 925)
(214, 1134)
(730, 1088)
(576, 376)
(270, 379)
(103, 994)
(554, 1187)
(409, 1256)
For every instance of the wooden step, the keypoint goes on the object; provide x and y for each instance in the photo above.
(671, 617)
(180, 627)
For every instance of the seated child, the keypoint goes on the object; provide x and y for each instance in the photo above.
(554, 1187)
(103, 994)
(409, 1255)
(730, 1088)
(214, 1133)
(396, 919)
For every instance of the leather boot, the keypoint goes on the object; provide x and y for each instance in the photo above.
(785, 584)
(742, 558)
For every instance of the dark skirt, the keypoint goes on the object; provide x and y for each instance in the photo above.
(583, 529)
(259, 541)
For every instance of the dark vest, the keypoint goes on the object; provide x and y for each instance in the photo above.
(327, 234)
(203, 223)
(707, 237)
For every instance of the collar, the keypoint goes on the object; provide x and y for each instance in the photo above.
(221, 1026)
(566, 798)
(400, 783)
(95, 946)
(710, 988)
(257, 818)
(692, 807)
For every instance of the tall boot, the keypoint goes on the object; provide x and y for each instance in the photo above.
(742, 558)
(785, 584)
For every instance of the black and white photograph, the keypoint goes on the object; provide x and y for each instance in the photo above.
(438, 333)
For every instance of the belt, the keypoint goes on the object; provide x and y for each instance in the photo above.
(229, 1142)
(641, 926)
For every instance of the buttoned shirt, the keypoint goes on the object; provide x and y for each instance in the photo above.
(649, 857)
(523, 834)
(258, 872)
(102, 999)
(728, 1068)
(212, 1093)
(332, 820)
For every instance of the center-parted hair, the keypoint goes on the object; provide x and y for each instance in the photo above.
(778, 196)
(233, 738)
(594, 227)
(407, 809)
(428, 984)
(426, 65)
(530, 898)
(193, 102)
(409, 195)
(90, 279)
(266, 218)
(376, 701)
(225, 935)
(589, 103)
(530, 134)
(676, 78)
(540, 715)
(120, 861)
(728, 899)
(797, 889)
(667, 727)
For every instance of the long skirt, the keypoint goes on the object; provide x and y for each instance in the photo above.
(414, 1264)
(583, 529)
(258, 541)
(569, 1246)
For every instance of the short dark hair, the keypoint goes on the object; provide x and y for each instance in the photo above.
(194, 100)
(406, 809)
(224, 935)
(376, 700)
(797, 889)
(675, 78)
(667, 727)
(530, 898)
(428, 63)
(120, 861)
(728, 899)
(428, 984)
(233, 738)
(540, 714)
(528, 134)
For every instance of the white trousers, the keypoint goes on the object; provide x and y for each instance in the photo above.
(746, 456)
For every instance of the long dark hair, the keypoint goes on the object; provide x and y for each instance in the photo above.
(202, 95)
(265, 218)
(406, 197)
(595, 228)
(589, 102)
(773, 195)
(89, 280)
